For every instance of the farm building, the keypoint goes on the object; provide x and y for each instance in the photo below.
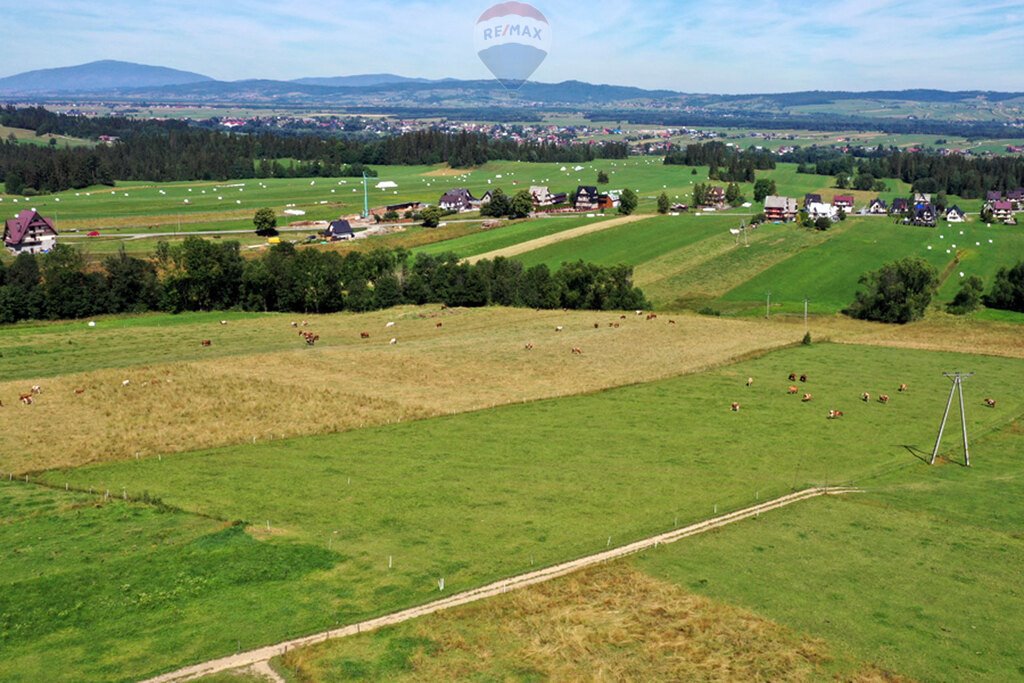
(587, 198)
(955, 215)
(924, 216)
(543, 197)
(811, 199)
(1016, 197)
(340, 230)
(878, 207)
(457, 200)
(780, 208)
(715, 197)
(30, 233)
(398, 208)
(609, 200)
(1002, 211)
(900, 206)
(843, 201)
(818, 210)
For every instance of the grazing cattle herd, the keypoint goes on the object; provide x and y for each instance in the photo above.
(834, 414)
(311, 339)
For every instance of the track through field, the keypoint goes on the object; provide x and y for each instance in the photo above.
(261, 655)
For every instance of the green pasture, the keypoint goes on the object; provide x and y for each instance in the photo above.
(29, 137)
(828, 274)
(633, 243)
(46, 349)
(921, 575)
(540, 484)
(508, 235)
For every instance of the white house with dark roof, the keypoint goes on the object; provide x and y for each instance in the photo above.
(29, 232)
(955, 215)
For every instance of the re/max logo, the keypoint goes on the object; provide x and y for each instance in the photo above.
(512, 30)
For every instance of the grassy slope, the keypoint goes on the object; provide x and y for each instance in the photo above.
(526, 488)
(922, 573)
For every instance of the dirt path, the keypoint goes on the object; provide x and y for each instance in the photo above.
(264, 654)
(524, 247)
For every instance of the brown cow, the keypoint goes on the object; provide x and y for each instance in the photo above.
(904, 388)
(883, 399)
(808, 398)
(792, 377)
(364, 335)
(440, 325)
(803, 378)
(295, 324)
(735, 407)
(597, 326)
(529, 347)
(207, 342)
(794, 391)
(990, 402)
(577, 351)
(79, 392)
(671, 322)
(750, 381)
(866, 397)
(835, 414)
(26, 399)
(36, 389)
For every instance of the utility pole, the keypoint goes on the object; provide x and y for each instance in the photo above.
(768, 306)
(807, 327)
(366, 198)
(957, 388)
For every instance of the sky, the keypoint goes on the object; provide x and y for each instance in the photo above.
(699, 47)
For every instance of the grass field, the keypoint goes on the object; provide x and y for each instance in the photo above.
(533, 490)
(29, 137)
(259, 379)
(917, 577)
(606, 624)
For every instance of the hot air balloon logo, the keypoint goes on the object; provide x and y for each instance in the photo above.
(512, 40)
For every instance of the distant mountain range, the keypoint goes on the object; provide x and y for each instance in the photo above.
(97, 76)
(128, 82)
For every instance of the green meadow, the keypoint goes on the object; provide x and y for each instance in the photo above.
(249, 544)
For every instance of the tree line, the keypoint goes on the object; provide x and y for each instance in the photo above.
(928, 172)
(171, 151)
(203, 275)
(725, 163)
(901, 292)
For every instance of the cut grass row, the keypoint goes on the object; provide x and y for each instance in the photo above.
(541, 482)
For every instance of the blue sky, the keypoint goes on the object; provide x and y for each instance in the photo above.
(730, 47)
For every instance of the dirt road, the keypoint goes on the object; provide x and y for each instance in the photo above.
(523, 247)
(255, 657)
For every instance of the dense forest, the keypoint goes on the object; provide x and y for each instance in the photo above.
(753, 120)
(167, 151)
(202, 275)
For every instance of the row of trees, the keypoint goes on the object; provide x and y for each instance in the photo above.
(206, 275)
(725, 163)
(901, 292)
(929, 172)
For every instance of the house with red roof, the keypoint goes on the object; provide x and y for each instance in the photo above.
(843, 201)
(29, 232)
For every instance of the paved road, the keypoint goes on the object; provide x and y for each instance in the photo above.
(264, 654)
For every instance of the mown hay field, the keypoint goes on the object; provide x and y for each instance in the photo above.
(259, 380)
